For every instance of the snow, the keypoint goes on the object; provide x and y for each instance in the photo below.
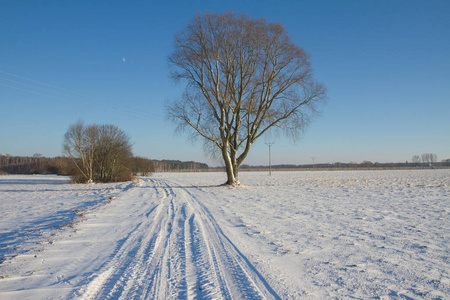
(311, 235)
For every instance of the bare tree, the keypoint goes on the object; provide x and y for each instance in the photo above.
(143, 166)
(433, 158)
(113, 154)
(80, 142)
(243, 76)
(425, 158)
(416, 159)
(429, 158)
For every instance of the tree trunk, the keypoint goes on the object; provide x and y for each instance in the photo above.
(231, 179)
(236, 175)
(232, 172)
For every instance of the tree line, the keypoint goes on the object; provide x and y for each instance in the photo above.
(59, 165)
(38, 164)
(176, 165)
(93, 153)
(354, 165)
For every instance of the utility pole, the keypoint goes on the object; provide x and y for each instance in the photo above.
(313, 159)
(270, 163)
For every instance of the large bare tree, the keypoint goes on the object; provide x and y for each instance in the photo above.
(243, 76)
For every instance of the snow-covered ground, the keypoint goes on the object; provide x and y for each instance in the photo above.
(311, 235)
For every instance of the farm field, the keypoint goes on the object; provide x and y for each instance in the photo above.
(308, 235)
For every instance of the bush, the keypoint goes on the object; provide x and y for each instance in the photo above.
(100, 153)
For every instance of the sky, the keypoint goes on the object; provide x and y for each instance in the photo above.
(385, 64)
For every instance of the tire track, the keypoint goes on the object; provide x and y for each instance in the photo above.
(123, 274)
(177, 251)
(221, 269)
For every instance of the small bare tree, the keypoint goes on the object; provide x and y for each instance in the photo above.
(416, 159)
(243, 76)
(80, 142)
(429, 158)
(425, 158)
(113, 154)
(433, 158)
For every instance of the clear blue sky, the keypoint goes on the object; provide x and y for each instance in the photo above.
(386, 65)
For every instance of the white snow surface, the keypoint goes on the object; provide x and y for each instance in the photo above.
(307, 235)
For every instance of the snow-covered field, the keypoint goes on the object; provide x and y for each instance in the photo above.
(308, 235)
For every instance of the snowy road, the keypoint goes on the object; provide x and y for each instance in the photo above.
(177, 251)
(166, 245)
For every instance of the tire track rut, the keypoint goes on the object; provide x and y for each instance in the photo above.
(178, 251)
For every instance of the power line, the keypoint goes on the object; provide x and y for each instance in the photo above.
(21, 83)
(36, 87)
(18, 76)
(84, 98)
(62, 97)
(29, 91)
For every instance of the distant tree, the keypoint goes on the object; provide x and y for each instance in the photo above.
(429, 158)
(176, 165)
(243, 76)
(425, 158)
(433, 158)
(416, 159)
(99, 153)
(61, 166)
(142, 166)
(367, 164)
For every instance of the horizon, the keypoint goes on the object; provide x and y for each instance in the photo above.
(373, 164)
(385, 66)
